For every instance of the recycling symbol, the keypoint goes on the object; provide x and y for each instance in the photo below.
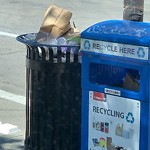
(130, 118)
(141, 52)
(87, 45)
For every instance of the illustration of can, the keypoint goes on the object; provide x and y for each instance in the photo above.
(106, 127)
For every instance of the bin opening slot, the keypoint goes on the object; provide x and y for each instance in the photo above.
(116, 76)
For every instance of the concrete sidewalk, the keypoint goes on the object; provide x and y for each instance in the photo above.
(12, 113)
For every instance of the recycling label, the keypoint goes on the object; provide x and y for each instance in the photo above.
(115, 49)
(114, 122)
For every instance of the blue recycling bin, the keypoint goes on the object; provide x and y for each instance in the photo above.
(116, 86)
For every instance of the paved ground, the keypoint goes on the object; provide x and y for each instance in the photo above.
(12, 113)
(25, 16)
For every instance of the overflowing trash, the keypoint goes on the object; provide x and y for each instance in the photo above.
(56, 30)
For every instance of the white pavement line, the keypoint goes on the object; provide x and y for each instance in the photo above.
(13, 97)
(8, 128)
(8, 34)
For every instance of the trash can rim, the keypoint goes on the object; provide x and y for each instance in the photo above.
(24, 38)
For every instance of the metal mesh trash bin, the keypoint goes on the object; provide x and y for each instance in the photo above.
(53, 96)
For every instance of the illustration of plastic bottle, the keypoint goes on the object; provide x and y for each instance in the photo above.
(102, 126)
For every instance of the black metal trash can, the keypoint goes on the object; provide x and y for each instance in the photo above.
(53, 96)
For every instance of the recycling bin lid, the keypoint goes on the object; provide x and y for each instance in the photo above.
(119, 31)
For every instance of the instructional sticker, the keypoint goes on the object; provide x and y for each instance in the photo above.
(114, 122)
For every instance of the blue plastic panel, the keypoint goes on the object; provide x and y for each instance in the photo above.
(119, 31)
(143, 96)
(96, 76)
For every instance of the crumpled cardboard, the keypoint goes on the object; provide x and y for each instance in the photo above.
(130, 83)
(55, 24)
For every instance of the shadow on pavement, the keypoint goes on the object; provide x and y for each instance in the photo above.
(7, 143)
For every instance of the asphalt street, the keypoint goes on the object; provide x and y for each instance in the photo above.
(25, 16)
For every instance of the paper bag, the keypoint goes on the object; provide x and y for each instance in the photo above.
(55, 24)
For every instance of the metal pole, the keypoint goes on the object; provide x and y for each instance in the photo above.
(133, 10)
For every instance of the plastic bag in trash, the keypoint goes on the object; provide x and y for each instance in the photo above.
(64, 47)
